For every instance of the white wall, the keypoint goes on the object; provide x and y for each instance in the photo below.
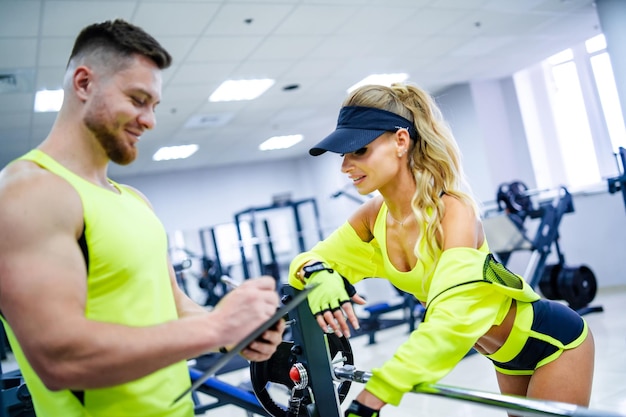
(500, 121)
(458, 107)
(189, 200)
(205, 197)
(595, 235)
(487, 124)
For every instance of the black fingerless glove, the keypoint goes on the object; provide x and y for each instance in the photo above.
(330, 295)
(350, 289)
(357, 409)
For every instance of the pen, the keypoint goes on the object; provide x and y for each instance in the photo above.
(229, 281)
(234, 284)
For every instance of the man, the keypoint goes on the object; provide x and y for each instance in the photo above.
(96, 321)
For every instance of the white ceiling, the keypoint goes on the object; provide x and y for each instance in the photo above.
(324, 46)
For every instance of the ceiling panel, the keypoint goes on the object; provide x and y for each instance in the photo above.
(285, 47)
(223, 48)
(54, 52)
(322, 46)
(67, 18)
(178, 46)
(315, 19)
(247, 19)
(14, 120)
(26, 27)
(200, 74)
(16, 102)
(179, 18)
(18, 52)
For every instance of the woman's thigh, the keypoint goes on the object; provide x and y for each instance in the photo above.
(569, 378)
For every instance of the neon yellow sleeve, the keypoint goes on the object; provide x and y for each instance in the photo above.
(462, 307)
(345, 252)
(439, 343)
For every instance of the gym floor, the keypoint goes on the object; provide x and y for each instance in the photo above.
(475, 372)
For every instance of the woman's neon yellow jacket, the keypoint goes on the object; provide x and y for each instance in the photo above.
(466, 294)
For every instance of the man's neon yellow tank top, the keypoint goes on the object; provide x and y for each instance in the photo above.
(127, 283)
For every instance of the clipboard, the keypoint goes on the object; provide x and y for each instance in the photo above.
(280, 313)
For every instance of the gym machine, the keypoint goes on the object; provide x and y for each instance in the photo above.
(619, 183)
(15, 399)
(179, 272)
(224, 394)
(250, 214)
(377, 319)
(343, 192)
(212, 269)
(576, 285)
(317, 370)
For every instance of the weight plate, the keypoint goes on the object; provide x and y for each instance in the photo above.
(271, 382)
(548, 282)
(577, 286)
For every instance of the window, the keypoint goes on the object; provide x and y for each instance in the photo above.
(572, 126)
(607, 90)
(582, 123)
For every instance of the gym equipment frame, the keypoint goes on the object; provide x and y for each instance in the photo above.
(619, 183)
(411, 309)
(576, 285)
(295, 206)
(224, 394)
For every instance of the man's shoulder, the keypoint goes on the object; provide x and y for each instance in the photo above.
(25, 185)
(24, 174)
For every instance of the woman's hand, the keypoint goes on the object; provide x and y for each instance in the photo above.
(365, 404)
(330, 302)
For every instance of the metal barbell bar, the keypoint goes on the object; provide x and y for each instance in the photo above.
(520, 406)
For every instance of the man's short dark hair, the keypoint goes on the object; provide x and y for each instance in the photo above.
(122, 38)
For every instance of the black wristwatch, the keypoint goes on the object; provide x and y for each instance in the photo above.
(309, 270)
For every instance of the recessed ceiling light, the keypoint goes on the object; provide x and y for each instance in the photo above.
(380, 79)
(280, 142)
(48, 100)
(174, 152)
(236, 90)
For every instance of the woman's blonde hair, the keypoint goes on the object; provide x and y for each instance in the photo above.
(434, 158)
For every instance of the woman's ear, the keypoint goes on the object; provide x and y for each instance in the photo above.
(403, 141)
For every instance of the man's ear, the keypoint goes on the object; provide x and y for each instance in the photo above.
(81, 81)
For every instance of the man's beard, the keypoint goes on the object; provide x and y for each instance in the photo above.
(116, 149)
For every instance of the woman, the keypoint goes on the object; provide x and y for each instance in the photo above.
(423, 233)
